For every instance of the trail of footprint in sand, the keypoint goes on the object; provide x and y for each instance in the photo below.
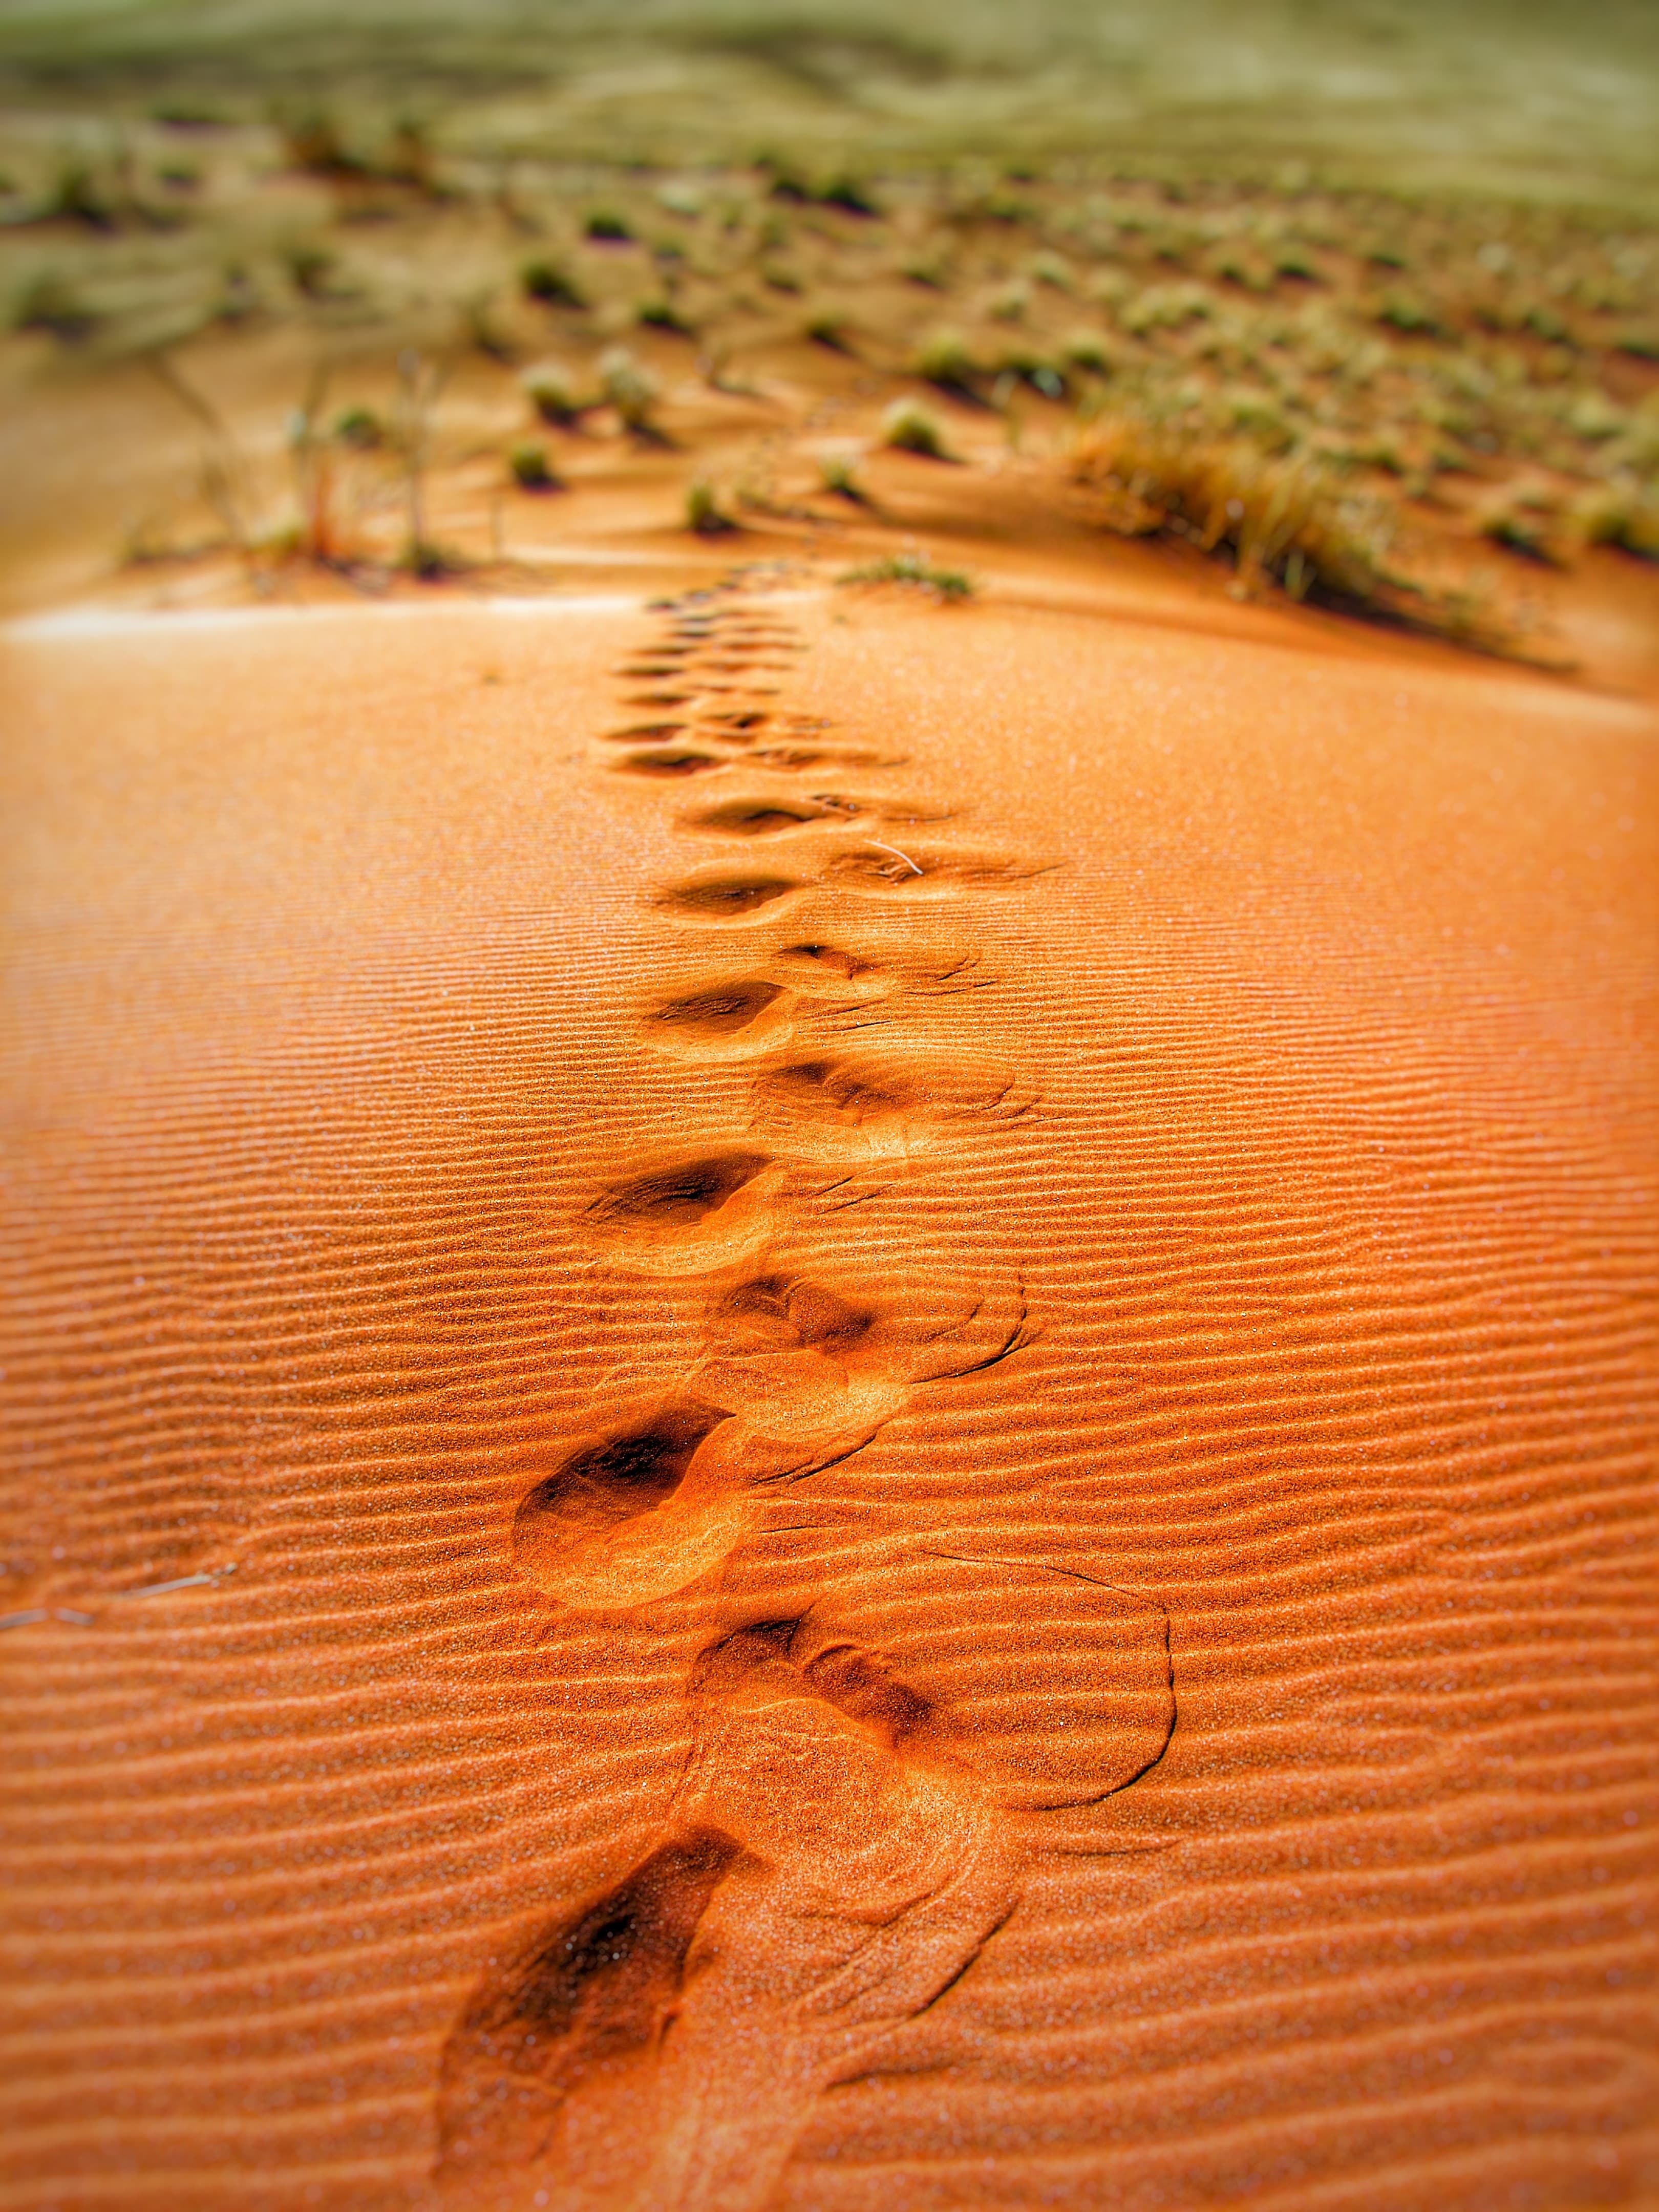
(876, 1746)
(872, 1733)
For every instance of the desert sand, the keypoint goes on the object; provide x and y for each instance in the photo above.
(827, 1402)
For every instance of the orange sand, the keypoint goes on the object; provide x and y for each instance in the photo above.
(923, 1340)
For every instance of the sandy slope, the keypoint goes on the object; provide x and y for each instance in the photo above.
(923, 1341)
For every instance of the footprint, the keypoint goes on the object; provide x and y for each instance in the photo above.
(645, 733)
(789, 758)
(643, 1513)
(1040, 1684)
(842, 1105)
(762, 818)
(724, 897)
(757, 817)
(740, 725)
(817, 1352)
(670, 763)
(724, 1021)
(659, 1504)
(826, 971)
(795, 1357)
(687, 1215)
(588, 2002)
(918, 871)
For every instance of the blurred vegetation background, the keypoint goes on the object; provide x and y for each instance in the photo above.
(1536, 98)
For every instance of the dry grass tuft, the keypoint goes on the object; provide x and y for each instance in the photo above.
(1287, 521)
(704, 513)
(910, 428)
(951, 585)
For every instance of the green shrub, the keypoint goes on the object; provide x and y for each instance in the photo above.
(916, 570)
(532, 469)
(631, 389)
(704, 511)
(552, 284)
(551, 391)
(910, 428)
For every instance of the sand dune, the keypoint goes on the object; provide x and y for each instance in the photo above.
(826, 1403)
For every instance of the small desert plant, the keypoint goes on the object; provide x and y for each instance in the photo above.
(1624, 513)
(360, 426)
(847, 192)
(551, 391)
(606, 228)
(550, 283)
(838, 473)
(1526, 519)
(314, 143)
(531, 469)
(943, 358)
(309, 267)
(916, 570)
(662, 314)
(1285, 520)
(630, 388)
(828, 329)
(419, 386)
(48, 302)
(910, 428)
(81, 193)
(703, 511)
(410, 158)
(483, 334)
(1087, 350)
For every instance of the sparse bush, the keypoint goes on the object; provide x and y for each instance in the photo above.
(662, 314)
(551, 391)
(704, 513)
(828, 329)
(1525, 520)
(531, 469)
(551, 283)
(1624, 514)
(360, 426)
(844, 190)
(917, 571)
(309, 269)
(1088, 350)
(1285, 521)
(313, 144)
(910, 428)
(606, 228)
(944, 359)
(838, 473)
(630, 388)
(46, 301)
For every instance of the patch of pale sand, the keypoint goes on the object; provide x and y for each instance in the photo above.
(945, 1500)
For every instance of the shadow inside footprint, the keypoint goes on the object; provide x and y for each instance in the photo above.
(594, 1996)
(676, 1218)
(670, 763)
(856, 1104)
(732, 1021)
(724, 898)
(758, 817)
(721, 1011)
(606, 1484)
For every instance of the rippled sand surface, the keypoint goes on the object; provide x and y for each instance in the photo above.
(820, 1403)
